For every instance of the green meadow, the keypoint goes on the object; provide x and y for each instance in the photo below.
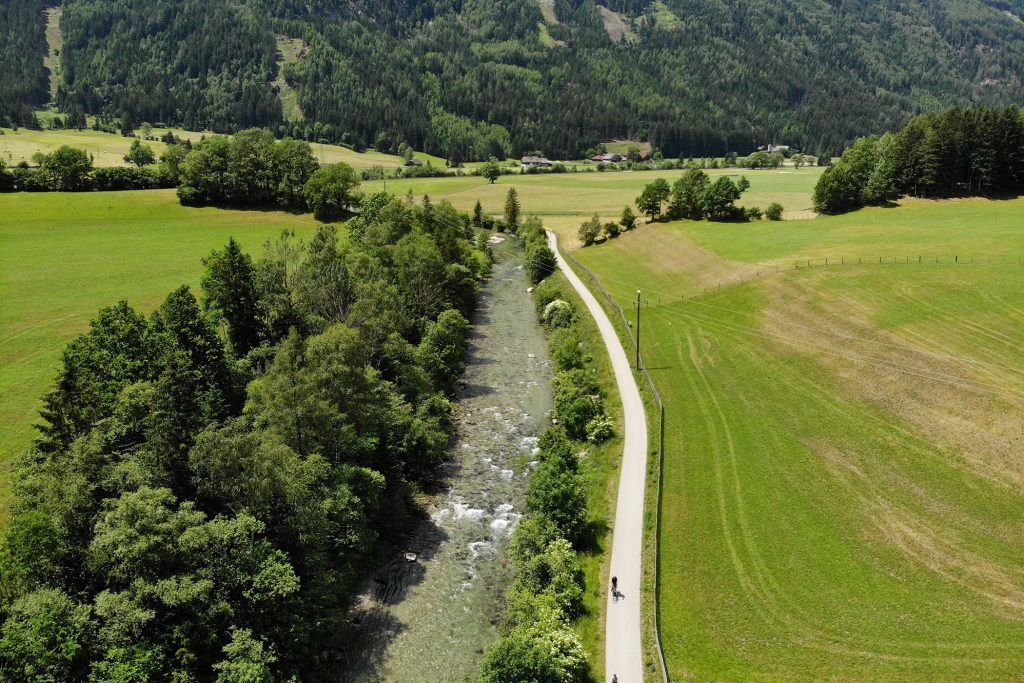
(108, 149)
(63, 256)
(565, 199)
(844, 478)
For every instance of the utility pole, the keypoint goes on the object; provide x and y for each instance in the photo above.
(638, 329)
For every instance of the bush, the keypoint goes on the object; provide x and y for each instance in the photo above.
(753, 213)
(544, 294)
(558, 495)
(559, 313)
(555, 446)
(121, 178)
(26, 180)
(572, 384)
(577, 401)
(566, 349)
(773, 212)
(577, 414)
(545, 649)
(554, 571)
(600, 429)
(540, 262)
(612, 229)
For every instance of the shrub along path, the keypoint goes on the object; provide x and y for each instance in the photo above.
(623, 650)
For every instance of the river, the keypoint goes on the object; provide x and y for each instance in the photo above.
(431, 618)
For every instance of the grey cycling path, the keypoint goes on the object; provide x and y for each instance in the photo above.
(623, 650)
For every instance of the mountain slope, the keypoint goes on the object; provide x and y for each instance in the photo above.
(467, 78)
(23, 78)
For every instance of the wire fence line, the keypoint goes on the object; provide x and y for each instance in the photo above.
(661, 457)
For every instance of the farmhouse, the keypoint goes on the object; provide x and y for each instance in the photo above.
(414, 162)
(608, 158)
(532, 162)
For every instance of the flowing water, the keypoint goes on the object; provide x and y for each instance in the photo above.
(431, 618)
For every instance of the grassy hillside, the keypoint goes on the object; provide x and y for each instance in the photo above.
(844, 486)
(63, 256)
(109, 150)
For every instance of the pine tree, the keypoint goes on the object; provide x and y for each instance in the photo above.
(512, 210)
(230, 287)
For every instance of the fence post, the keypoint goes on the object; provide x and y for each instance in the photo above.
(638, 329)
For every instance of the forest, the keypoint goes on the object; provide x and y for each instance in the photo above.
(211, 480)
(959, 153)
(469, 79)
(24, 84)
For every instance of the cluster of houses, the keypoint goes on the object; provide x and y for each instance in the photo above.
(612, 158)
(542, 162)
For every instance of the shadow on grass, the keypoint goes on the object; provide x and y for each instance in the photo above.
(591, 541)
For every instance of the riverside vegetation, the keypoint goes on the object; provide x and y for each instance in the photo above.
(538, 642)
(199, 506)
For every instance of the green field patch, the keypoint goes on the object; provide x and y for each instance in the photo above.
(108, 149)
(290, 51)
(54, 43)
(946, 230)
(547, 10)
(604, 193)
(665, 17)
(616, 26)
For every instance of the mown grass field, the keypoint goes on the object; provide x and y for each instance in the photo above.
(565, 199)
(63, 256)
(108, 149)
(844, 470)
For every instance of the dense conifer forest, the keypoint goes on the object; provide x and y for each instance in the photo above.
(466, 79)
(23, 78)
(959, 153)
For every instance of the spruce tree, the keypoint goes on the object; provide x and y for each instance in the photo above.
(512, 210)
(478, 214)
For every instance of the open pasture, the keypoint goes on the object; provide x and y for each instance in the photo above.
(565, 199)
(63, 256)
(844, 471)
(108, 149)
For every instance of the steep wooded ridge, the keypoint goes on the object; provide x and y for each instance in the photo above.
(23, 78)
(468, 78)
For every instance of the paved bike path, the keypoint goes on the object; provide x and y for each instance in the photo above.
(623, 649)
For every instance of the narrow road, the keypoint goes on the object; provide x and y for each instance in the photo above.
(622, 646)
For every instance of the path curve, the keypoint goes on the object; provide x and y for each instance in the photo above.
(623, 650)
